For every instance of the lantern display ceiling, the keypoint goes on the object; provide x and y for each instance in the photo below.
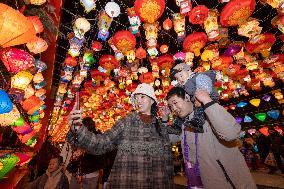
(116, 89)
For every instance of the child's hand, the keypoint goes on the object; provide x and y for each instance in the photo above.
(202, 96)
(165, 111)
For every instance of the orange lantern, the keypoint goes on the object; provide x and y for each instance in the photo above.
(166, 62)
(198, 14)
(236, 12)
(15, 28)
(37, 2)
(149, 10)
(37, 45)
(97, 46)
(140, 53)
(7, 119)
(124, 41)
(108, 62)
(98, 76)
(167, 24)
(31, 104)
(194, 42)
(164, 48)
(146, 78)
(37, 23)
(70, 61)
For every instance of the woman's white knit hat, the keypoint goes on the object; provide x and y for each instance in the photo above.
(145, 89)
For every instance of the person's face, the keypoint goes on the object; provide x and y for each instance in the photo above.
(144, 103)
(182, 77)
(53, 165)
(180, 107)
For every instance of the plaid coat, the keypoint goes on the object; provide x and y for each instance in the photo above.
(143, 159)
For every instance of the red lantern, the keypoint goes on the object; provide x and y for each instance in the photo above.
(98, 76)
(96, 46)
(236, 12)
(260, 42)
(194, 42)
(124, 41)
(140, 53)
(149, 10)
(16, 60)
(198, 14)
(70, 61)
(167, 24)
(164, 48)
(37, 23)
(146, 78)
(37, 45)
(31, 104)
(108, 62)
(166, 62)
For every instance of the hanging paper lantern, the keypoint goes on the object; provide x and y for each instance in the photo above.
(250, 28)
(260, 116)
(241, 104)
(70, 61)
(251, 131)
(40, 66)
(266, 98)
(38, 77)
(239, 120)
(37, 45)
(179, 26)
(124, 41)
(274, 114)
(247, 119)
(88, 5)
(7, 119)
(19, 122)
(8, 163)
(232, 50)
(264, 131)
(16, 29)
(236, 12)
(97, 46)
(25, 138)
(5, 103)
(146, 78)
(29, 91)
(194, 42)
(37, 2)
(31, 104)
(80, 27)
(21, 80)
(23, 158)
(211, 25)
(198, 14)
(108, 62)
(24, 129)
(149, 10)
(112, 9)
(140, 53)
(207, 55)
(164, 48)
(255, 102)
(37, 23)
(88, 58)
(16, 60)
(103, 25)
(134, 20)
(166, 62)
(279, 130)
(167, 24)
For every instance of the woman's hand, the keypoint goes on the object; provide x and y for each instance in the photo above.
(75, 117)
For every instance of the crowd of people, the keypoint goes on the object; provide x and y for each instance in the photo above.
(140, 143)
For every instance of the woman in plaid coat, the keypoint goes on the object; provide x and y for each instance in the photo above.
(143, 158)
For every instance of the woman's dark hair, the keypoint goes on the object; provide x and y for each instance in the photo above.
(154, 113)
(176, 91)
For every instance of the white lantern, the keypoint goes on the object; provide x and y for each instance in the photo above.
(81, 26)
(112, 9)
(88, 4)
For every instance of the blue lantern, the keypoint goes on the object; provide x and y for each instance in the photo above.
(241, 104)
(6, 105)
(247, 119)
(274, 114)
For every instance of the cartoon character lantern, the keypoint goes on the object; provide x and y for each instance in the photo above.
(81, 26)
(211, 25)
(104, 24)
(151, 32)
(134, 20)
(249, 28)
(179, 26)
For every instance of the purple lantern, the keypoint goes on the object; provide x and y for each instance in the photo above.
(232, 50)
(239, 120)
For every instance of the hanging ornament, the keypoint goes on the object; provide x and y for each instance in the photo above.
(103, 25)
(250, 28)
(75, 46)
(179, 26)
(198, 14)
(274, 114)
(140, 53)
(264, 131)
(247, 119)
(32, 104)
(279, 130)
(232, 50)
(239, 120)
(266, 98)
(5, 103)
(166, 62)
(37, 45)
(195, 42)
(251, 131)
(88, 5)
(149, 10)
(130, 56)
(167, 24)
(37, 23)
(255, 102)
(164, 48)
(21, 80)
(80, 27)
(124, 41)
(185, 6)
(134, 20)
(260, 116)
(241, 104)
(108, 62)
(112, 9)
(97, 46)
(8, 162)
(211, 25)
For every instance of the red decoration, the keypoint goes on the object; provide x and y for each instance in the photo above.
(98, 76)
(140, 53)
(37, 45)
(37, 23)
(70, 61)
(164, 48)
(149, 10)
(198, 14)
(31, 104)
(166, 62)
(97, 46)
(108, 62)
(146, 78)
(263, 41)
(167, 24)
(16, 60)
(236, 12)
(124, 41)
(194, 42)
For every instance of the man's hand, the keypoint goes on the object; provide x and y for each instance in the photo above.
(202, 96)
(165, 111)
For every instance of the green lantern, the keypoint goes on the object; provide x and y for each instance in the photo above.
(19, 122)
(260, 116)
(7, 164)
(31, 142)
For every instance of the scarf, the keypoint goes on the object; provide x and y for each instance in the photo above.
(53, 179)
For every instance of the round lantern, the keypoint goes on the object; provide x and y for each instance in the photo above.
(37, 45)
(166, 62)
(96, 46)
(98, 76)
(82, 25)
(5, 103)
(108, 62)
(38, 77)
(140, 53)
(70, 61)
(124, 41)
(236, 12)
(198, 14)
(112, 9)
(21, 80)
(146, 78)
(7, 119)
(194, 42)
(31, 104)
(37, 2)
(164, 48)
(8, 163)
(16, 29)
(149, 10)
(37, 23)
(167, 24)
(16, 60)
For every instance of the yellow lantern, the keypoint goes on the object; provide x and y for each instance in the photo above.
(207, 55)
(29, 91)
(37, 2)
(7, 119)
(255, 102)
(38, 77)
(130, 55)
(21, 80)
(278, 95)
